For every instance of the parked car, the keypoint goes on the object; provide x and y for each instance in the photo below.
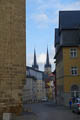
(76, 106)
(45, 99)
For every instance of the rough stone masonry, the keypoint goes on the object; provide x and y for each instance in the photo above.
(12, 54)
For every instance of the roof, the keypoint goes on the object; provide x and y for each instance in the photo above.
(69, 22)
(69, 19)
(51, 75)
(31, 72)
(47, 60)
(57, 37)
(35, 65)
(28, 67)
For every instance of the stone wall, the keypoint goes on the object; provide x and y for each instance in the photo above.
(12, 51)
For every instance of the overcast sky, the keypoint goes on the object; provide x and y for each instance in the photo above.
(41, 21)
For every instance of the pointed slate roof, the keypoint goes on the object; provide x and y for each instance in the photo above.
(35, 65)
(47, 60)
(69, 19)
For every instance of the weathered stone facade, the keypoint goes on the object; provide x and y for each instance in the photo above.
(12, 51)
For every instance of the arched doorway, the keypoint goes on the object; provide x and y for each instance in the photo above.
(74, 91)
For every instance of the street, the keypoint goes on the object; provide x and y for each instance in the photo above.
(49, 111)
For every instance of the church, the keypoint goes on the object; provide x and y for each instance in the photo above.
(39, 84)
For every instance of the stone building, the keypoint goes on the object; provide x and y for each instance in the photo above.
(30, 87)
(12, 53)
(40, 79)
(34, 89)
(67, 44)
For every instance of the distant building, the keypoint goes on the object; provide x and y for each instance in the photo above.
(67, 44)
(50, 86)
(39, 84)
(30, 88)
(54, 86)
(47, 67)
(35, 65)
(49, 78)
(34, 89)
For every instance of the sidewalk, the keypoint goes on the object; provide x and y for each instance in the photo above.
(51, 103)
(26, 116)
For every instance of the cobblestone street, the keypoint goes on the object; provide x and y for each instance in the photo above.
(48, 112)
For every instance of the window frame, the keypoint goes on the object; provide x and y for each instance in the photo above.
(73, 52)
(74, 71)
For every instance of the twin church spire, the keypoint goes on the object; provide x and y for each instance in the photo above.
(35, 65)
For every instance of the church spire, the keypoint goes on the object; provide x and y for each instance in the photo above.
(35, 65)
(47, 60)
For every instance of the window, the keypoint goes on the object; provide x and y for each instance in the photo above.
(74, 71)
(73, 52)
(74, 91)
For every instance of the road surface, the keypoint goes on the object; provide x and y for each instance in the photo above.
(49, 111)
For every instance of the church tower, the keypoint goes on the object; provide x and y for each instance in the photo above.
(35, 65)
(47, 66)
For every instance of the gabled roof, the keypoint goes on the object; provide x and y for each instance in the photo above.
(28, 67)
(69, 20)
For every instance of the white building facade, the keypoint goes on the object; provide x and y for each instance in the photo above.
(34, 89)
